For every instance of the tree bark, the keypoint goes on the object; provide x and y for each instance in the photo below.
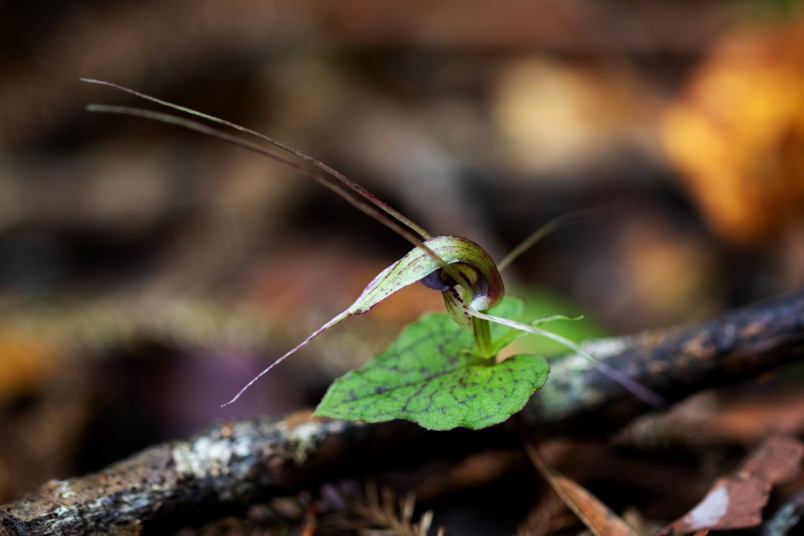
(234, 464)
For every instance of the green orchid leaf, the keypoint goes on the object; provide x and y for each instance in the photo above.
(432, 375)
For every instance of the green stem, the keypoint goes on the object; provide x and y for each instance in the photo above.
(482, 331)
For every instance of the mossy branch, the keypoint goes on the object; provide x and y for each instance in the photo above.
(234, 464)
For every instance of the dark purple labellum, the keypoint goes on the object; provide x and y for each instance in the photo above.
(436, 282)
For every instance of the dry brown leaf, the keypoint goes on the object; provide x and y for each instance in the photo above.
(597, 517)
(549, 516)
(736, 501)
(594, 514)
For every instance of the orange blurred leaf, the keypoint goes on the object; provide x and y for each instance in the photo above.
(737, 134)
(25, 364)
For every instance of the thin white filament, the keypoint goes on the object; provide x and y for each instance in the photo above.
(625, 381)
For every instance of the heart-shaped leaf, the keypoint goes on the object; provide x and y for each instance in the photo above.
(431, 375)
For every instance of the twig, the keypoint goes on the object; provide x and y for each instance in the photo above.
(234, 464)
(786, 518)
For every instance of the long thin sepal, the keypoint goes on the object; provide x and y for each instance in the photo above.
(327, 176)
(552, 225)
(632, 386)
(487, 290)
(344, 315)
(321, 178)
(340, 177)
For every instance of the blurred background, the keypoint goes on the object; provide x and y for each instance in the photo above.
(146, 272)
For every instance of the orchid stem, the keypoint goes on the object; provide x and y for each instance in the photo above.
(482, 331)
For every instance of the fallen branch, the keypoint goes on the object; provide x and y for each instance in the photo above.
(234, 464)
